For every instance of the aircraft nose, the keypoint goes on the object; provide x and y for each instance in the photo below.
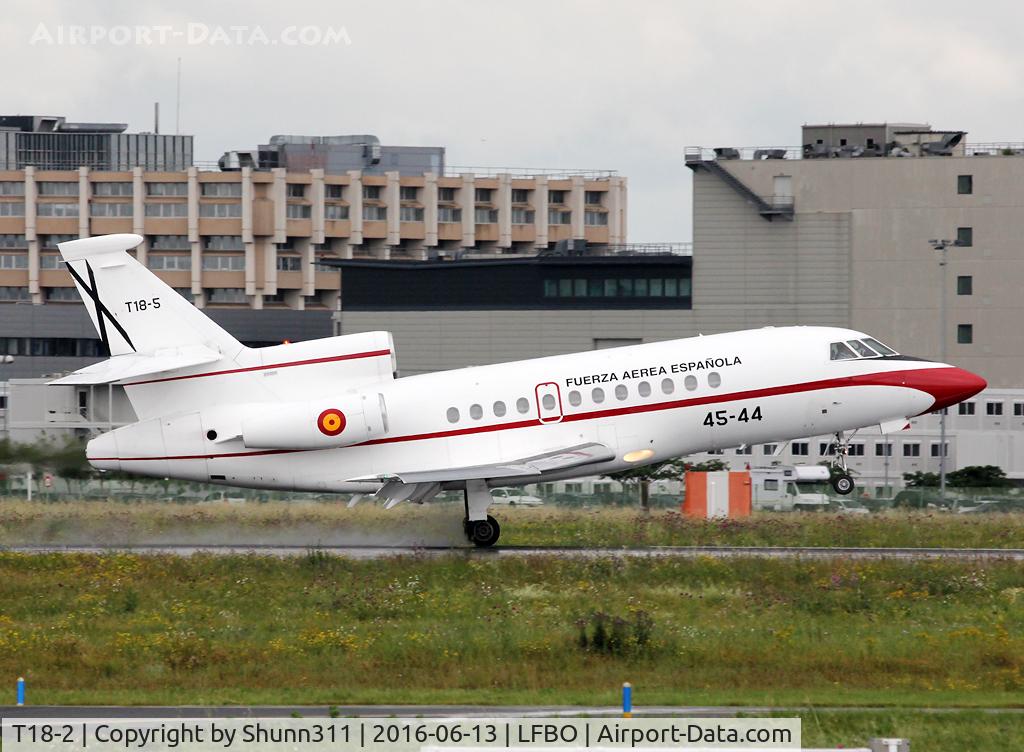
(948, 385)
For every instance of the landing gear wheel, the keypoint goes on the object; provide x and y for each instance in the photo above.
(483, 533)
(843, 484)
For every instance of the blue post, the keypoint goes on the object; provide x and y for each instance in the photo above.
(627, 700)
(21, 691)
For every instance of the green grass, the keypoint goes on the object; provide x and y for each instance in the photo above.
(308, 523)
(320, 629)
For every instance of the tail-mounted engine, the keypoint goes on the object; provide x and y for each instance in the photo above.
(318, 424)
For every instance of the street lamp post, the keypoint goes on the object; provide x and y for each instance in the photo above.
(942, 247)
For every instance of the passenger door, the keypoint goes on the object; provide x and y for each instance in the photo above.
(549, 402)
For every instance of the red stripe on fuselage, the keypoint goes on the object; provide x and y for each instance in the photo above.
(311, 361)
(888, 378)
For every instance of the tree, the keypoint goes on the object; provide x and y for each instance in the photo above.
(978, 476)
(673, 469)
(921, 480)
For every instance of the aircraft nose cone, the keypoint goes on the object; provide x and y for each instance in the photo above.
(947, 386)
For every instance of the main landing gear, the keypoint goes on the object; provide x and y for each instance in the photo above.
(842, 483)
(481, 529)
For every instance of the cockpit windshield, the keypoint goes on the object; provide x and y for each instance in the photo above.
(858, 348)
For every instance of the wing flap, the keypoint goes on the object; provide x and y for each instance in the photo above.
(133, 365)
(559, 459)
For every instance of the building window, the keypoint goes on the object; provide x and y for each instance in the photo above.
(883, 450)
(485, 216)
(966, 408)
(295, 190)
(593, 198)
(179, 209)
(1018, 409)
(408, 193)
(170, 243)
(523, 216)
(371, 192)
(965, 184)
(559, 217)
(223, 263)
(520, 196)
(166, 189)
(298, 211)
(226, 295)
(49, 261)
(375, 213)
(169, 262)
(13, 241)
(965, 236)
(482, 195)
(825, 449)
(13, 295)
(223, 243)
(556, 197)
(745, 449)
(12, 209)
(595, 218)
(112, 189)
(53, 188)
(410, 214)
(55, 210)
(12, 188)
(13, 261)
(51, 241)
(335, 211)
(220, 211)
(289, 263)
(935, 449)
(965, 285)
(333, 192)
(220, 190)
(61, 295)
(446, 194)
(912, 450)
(993, 408)
(449, 215)
(965, 334)
(110, 210)
(769, 449)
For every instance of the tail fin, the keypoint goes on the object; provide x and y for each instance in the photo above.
(133, 311)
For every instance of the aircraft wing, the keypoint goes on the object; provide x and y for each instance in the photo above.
(141, 364)
(416, 484)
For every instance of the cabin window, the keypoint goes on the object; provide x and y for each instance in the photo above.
(597, 395)
(621, 392)
(453, 415)
(861, 349)
(644, 389)
(523, 405)
(841, 351)
(690, 382)
(668, 386)
(548, 401)
(714, 380)
(575, 398)
(499, 408)
(476, 412)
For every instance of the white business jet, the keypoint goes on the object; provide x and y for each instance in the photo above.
(330, 414)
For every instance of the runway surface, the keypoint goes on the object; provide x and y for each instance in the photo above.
(442, 711)
(377, 552)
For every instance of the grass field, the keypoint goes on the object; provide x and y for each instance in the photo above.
(307, 523)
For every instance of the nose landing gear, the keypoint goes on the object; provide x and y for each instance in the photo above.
(842, 483)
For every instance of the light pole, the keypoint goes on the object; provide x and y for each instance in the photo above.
(942, 247)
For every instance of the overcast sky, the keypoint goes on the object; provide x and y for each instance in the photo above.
(610, 85)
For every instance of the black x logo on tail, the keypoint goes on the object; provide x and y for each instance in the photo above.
(102, 312)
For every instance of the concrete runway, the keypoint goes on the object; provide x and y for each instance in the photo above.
(377, 552)
(10, 712)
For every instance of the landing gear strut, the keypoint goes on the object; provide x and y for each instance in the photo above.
(481, 529)
(842, 483)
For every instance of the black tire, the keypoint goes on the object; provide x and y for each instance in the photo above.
(483, 533)
(843, 484)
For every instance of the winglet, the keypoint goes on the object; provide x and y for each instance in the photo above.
(99, 245)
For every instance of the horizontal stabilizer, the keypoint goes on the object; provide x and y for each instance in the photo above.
(134, 365)
(582, 454)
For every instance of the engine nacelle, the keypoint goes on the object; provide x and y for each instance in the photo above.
(317, 424)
